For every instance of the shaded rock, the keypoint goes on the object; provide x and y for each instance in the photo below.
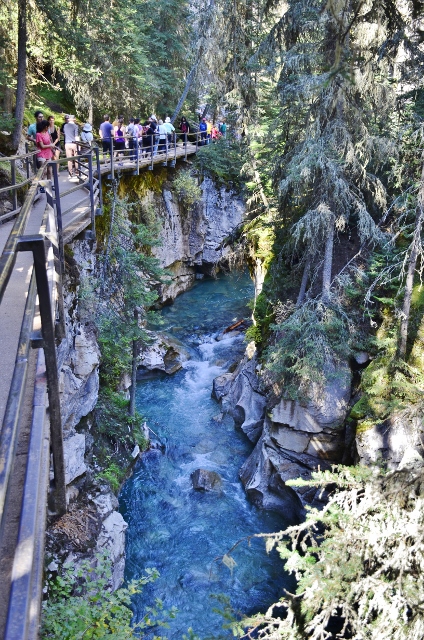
(391, 440)
(361, 357)
(192, 238)
(293, 440)
(204, 480)
(73, 453)
(105, 504)
(72, 494)
(221, 385)
(241, 398)
(326, 407)
(112, 540)
(165, 353)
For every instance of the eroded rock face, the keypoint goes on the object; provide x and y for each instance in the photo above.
(191, 239)
(78, 353)
(165, 353)
(241, 397)
(292, 438)
(112, 540)
(73, 453)
(391, 439)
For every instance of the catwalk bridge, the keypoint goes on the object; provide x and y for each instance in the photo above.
(32, 325)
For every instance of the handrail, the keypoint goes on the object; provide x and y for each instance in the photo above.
(14, 186)
(8, 257)
(22, 156)
(24, 598)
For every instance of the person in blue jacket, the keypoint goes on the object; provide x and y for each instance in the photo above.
(203, 128)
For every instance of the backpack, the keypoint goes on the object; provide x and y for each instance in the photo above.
(86, 136)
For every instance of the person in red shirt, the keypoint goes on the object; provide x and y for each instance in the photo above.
(45, 146)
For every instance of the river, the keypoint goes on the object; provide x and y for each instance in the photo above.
(179, 531)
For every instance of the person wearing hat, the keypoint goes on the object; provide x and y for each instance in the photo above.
(169, 129)
(87, 134)
(70, 132)
(203, 128)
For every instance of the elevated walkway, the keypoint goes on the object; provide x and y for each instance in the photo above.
(32, 323)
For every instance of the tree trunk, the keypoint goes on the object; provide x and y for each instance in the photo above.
(415, 246)
(188, 84)
(90, 110)
(134, 370)
(328, 263)
(21, 73)
(302, 290)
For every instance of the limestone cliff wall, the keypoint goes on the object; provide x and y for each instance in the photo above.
(191, 244)
(92, 522)
(291, 438)
(192, 237)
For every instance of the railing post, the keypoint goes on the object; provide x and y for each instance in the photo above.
(175, 148)
(197, 140)
(36, 245)
(99, 176)
(91, 187)
(27, 160)
(185, 146)
(112, 162)
(13, 179)
(58, 206)
(137, 153)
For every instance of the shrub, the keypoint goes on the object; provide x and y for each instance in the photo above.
(186, 188)
(81, 605)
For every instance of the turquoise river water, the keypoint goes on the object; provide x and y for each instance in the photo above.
(179, 531)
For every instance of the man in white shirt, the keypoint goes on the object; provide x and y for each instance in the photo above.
(70, 132)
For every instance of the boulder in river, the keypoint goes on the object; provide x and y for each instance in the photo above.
(204, 480)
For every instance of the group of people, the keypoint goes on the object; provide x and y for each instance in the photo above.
(153, 136)
(211, 132)
(48, 137)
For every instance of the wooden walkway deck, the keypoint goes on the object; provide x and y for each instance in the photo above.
(75, 204)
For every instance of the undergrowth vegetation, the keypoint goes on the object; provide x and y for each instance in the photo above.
(119, 299)
(82, 605)
(358, 562)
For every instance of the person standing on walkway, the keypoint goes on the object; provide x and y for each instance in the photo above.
(62, 126)
(106, 133)
(45, 147)
(32, 129)
(119, 140)
(130, 135)
(150, 137)
(55, 136)
(208, 129)
(203, 128)
(70, 131)
(215, 133)
(223, 129)
(185, 129)
(169, 129)
(155, 137)
(162, 136)
(87, 134)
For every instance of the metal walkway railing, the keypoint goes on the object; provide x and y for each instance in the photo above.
(43, 309)
(31, 440)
